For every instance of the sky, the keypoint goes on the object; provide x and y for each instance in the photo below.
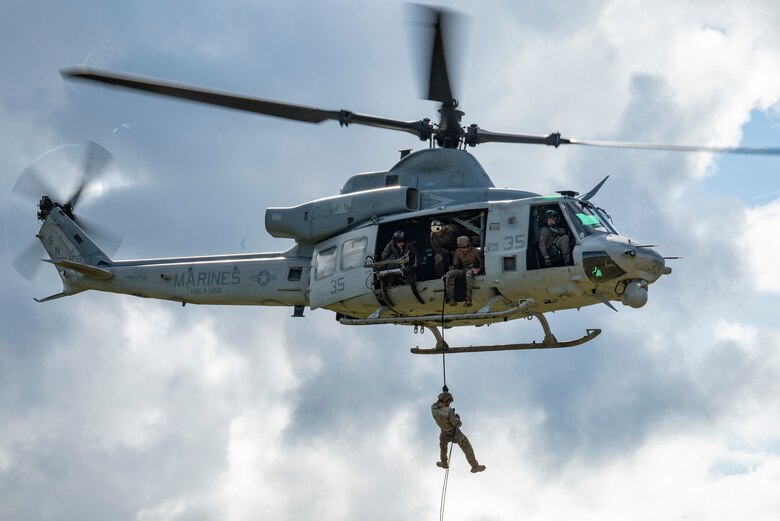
(114, 407)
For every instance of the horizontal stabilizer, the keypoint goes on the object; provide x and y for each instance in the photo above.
(57, 295)
(85, 269)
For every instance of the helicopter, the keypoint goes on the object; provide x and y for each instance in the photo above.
(336, 263)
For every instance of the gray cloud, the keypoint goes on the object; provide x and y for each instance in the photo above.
(123, 408)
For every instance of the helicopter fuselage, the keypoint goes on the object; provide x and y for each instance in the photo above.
(339, 238)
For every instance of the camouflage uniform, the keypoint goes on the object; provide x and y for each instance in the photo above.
(450, 424)
(443, 245)
(462, 263)
(555, 236)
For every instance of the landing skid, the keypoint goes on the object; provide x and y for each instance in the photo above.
(549, 342)
(590, 335)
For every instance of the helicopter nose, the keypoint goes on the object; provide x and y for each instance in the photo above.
(643, 266)
(634, 267)
(645, 263)
(619, 259)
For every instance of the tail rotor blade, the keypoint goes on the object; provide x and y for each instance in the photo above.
(108, 241)
(96, 158)
(62, 168)
(27, 262)
(30, 186)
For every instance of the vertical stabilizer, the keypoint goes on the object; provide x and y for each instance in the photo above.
(64, 240)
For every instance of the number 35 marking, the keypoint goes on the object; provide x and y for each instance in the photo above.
(337, 285)
(514, 243)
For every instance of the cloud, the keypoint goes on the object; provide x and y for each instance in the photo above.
(760, 253)
(130, 408)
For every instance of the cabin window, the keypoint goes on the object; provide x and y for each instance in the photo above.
(510, 263)
(325, 263)
(353, 253)
(295, 273)
(412, 198)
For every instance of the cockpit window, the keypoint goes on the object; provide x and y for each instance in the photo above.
(588, 219)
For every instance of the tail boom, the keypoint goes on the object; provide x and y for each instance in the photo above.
(264, 279)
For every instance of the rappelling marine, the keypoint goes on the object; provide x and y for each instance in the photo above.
(449, 423)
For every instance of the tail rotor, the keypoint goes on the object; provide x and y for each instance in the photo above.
(60, 178)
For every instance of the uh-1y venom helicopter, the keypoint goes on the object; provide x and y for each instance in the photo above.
(335, 263)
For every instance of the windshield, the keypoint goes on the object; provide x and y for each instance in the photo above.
(588, 219)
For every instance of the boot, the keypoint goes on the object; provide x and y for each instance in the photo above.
(442, 464)
(452, 302)
(477, 468)
(467, 304)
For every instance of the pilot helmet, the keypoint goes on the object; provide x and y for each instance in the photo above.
(463, 241)
(437, 226)
(551, 214)
(399, 236)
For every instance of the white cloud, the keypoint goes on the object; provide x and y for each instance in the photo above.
(120, 407)
(761, 251)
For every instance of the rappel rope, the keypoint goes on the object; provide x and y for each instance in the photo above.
(444, 389)
(444, 486)
(443, 358)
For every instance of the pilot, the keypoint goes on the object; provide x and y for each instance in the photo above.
(398, 248)
(450, 424)
(554, 236)
(466, 260)
(443, 242)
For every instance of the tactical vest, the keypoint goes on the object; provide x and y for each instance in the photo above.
(445, 417)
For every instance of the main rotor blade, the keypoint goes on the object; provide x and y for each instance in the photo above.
(770, 151)
(240, 102)
(477, 136)
(439, 87)
(435, 32)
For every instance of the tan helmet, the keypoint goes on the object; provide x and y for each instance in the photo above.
(445, 397)
(463, 241)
